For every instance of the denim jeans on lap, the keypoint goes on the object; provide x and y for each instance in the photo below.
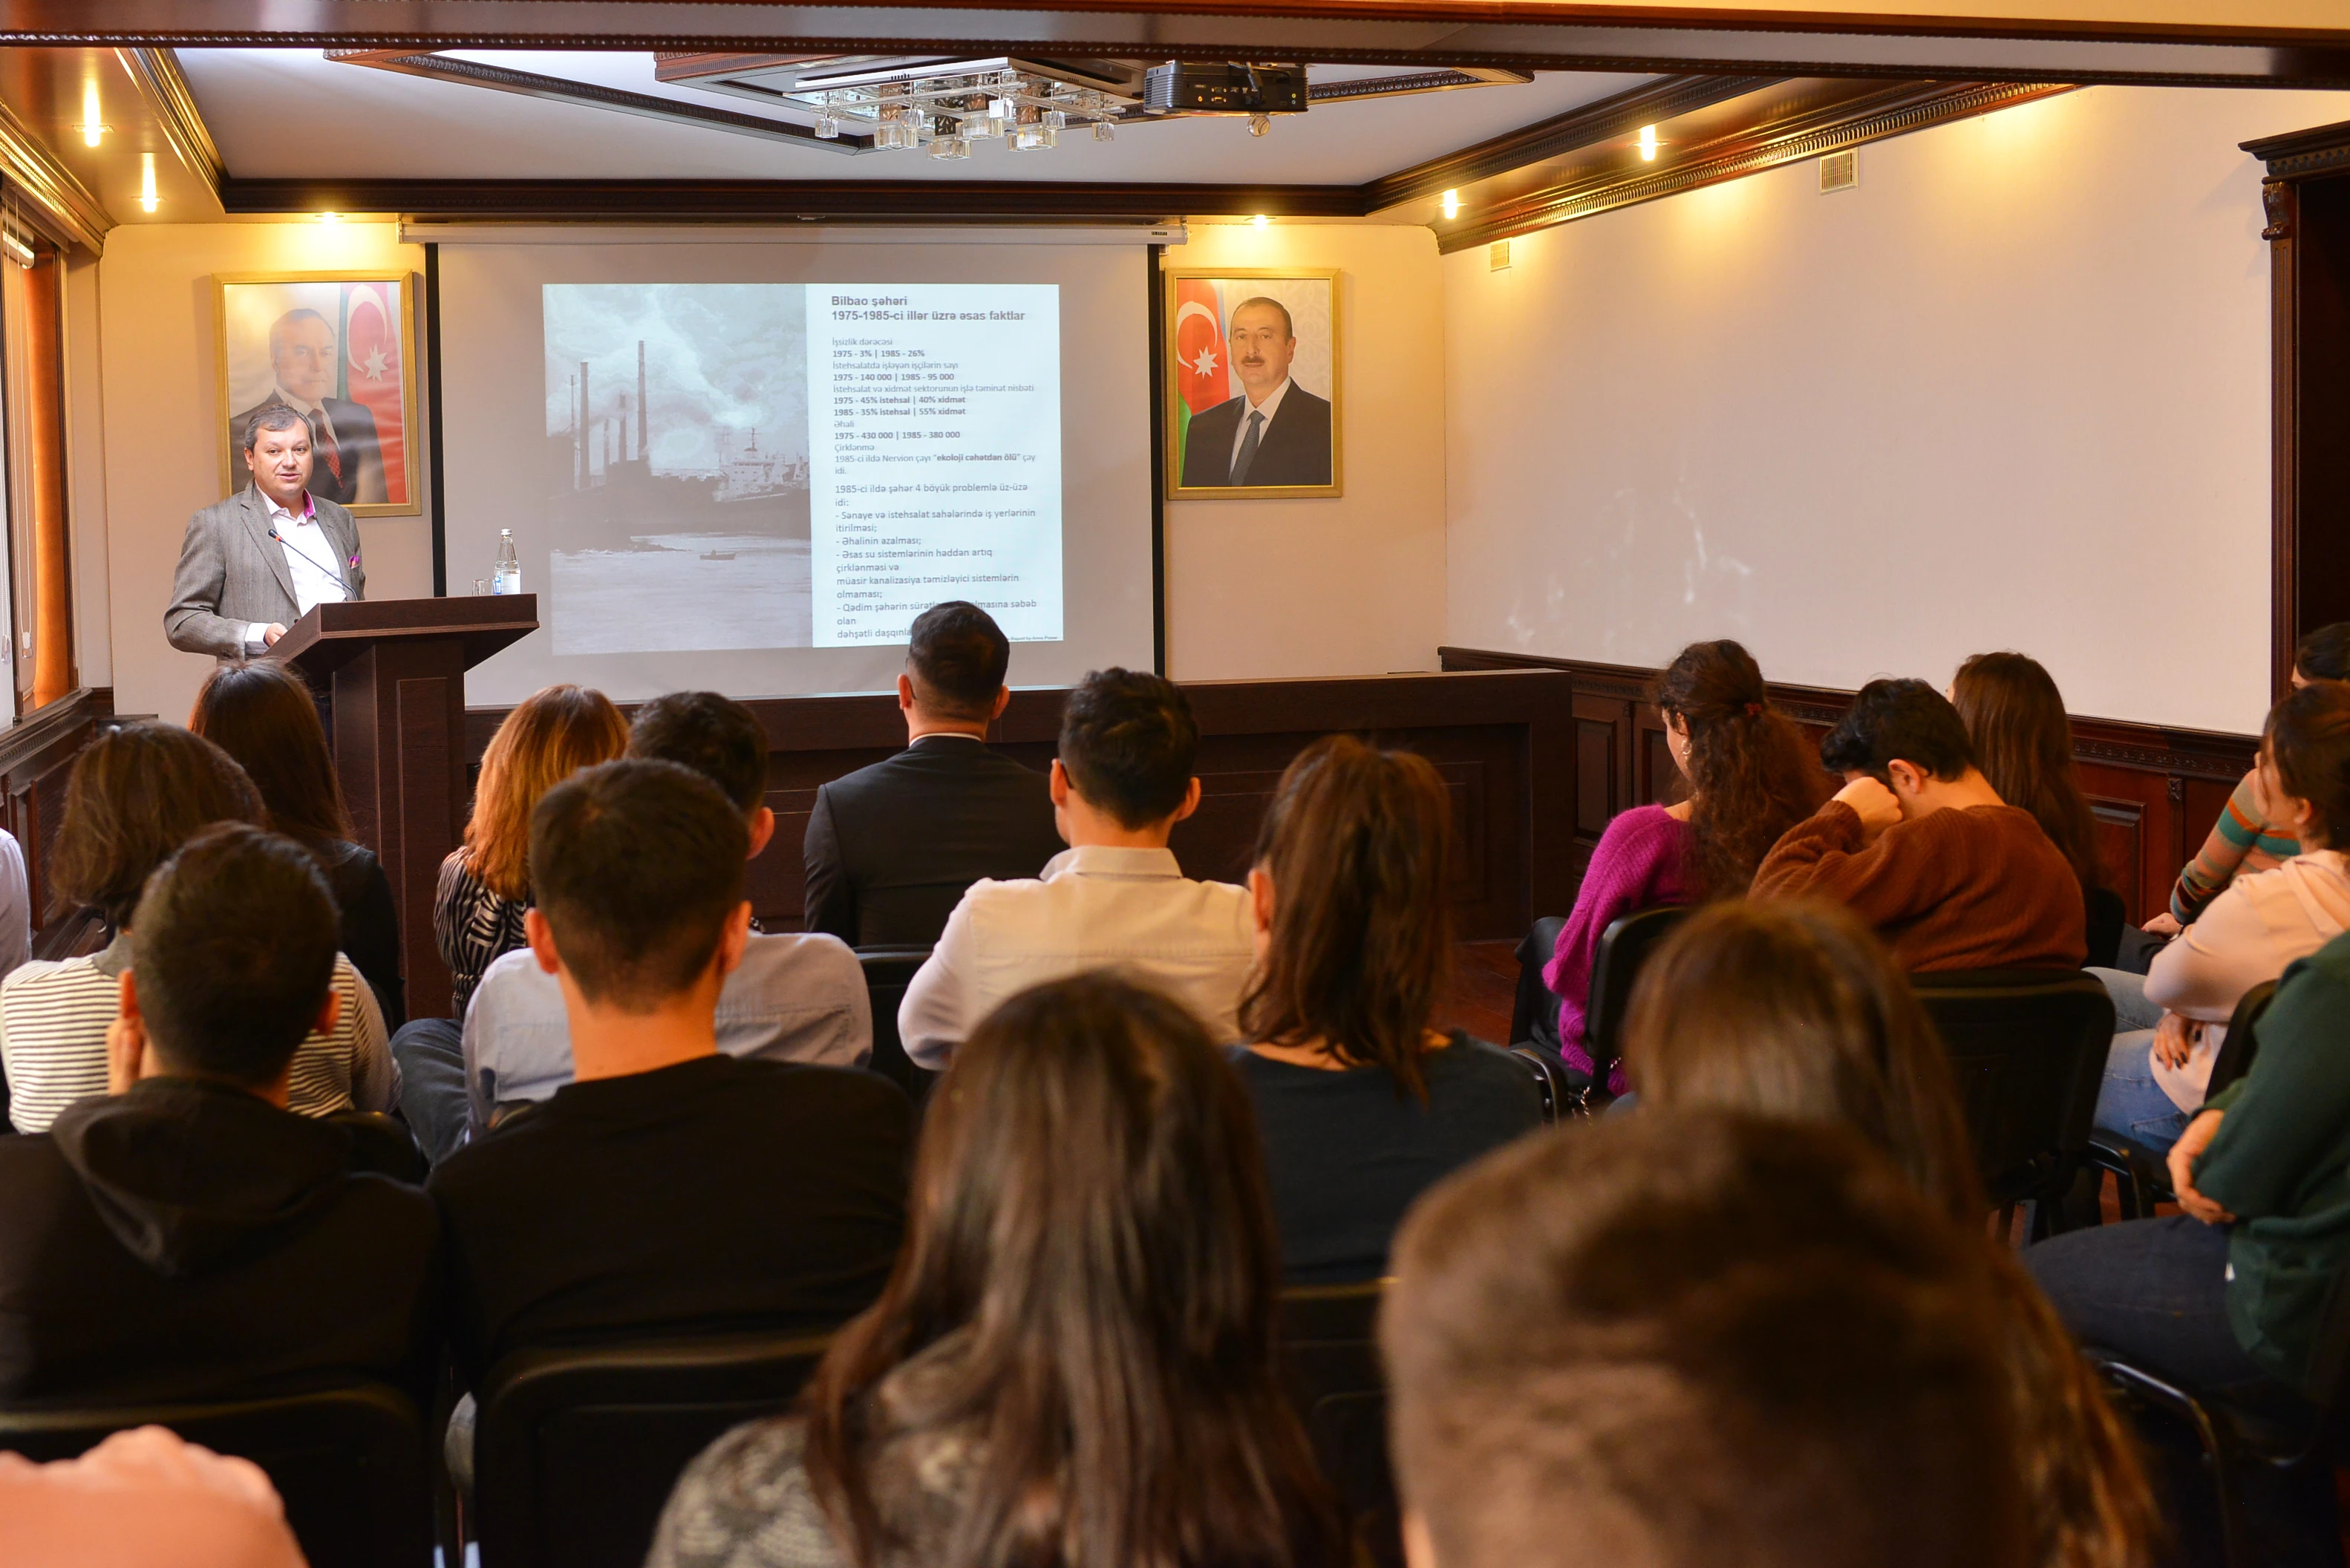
(2154, 1291)
(2131, 1103)
(431, 1056)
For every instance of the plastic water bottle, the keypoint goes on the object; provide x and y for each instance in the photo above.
(507, 579)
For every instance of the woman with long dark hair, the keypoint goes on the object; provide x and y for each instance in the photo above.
(1073, 1364)
(1362, 1101)
(263, 715)
(1795, 1011)
(1751, 778)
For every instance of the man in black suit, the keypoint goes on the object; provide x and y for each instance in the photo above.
(890, 848)
(1275, 432)
(343, 438)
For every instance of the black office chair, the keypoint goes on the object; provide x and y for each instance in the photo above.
(575, 1450)
(2027, 1051)
(383, 1146)
(1624, 949)
(1533, 1012)
(2107, 916)
(1330, 1362)
(888, 973)
(350, 1463)
(2144, 1176)
(1561, 1094)
(2299, 1439)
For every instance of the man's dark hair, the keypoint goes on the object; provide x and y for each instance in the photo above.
(2325, 654)
(958, 657)
(234, 953)
(636, 865)
(1288, 328)
(1744, 1341)
(1128, 740)
(1906, 720)
(276, 416)
(716, 736)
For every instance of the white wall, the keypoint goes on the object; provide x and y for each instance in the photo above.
(2012, 392)
(1352, 586)
(163, 414)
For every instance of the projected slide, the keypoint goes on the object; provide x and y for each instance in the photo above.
(787, 465)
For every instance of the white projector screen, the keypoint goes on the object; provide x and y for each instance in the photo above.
(783, 451)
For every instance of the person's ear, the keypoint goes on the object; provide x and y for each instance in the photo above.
(126, 1039)
(735, 938)
(1059, 785)
(763, 831)
(330, 1012)
(1260, 886)
(1904, 779)
(1002, 700)
(1191, 801)
(541, 937)
(905, 693)
(1418, 1550)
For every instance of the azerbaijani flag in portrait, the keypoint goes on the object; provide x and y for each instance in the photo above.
(372, 370)
(1201, 378)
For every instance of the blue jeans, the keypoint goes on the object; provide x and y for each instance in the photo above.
(2154, 1291)
(2130, 1101)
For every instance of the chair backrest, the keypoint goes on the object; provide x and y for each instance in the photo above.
(1330, 1362)
(2027, 1051)
(888, 973)
(1624, 948)
(382, 1146)
(575, 1450)
(1550, 1081)
(2242, 1044)
(2107, 916)
(350, 1463)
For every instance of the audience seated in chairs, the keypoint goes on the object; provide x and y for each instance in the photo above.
(2171, 1022)
(1073, 1361)
(793, 998)
(670, 1190)
(2023, 743)
(1684, 1339)
(134, 796)
(186, 1236)
(484, 886)
(1115, 897)
(891, 848)
(1360, 1102)
(263, 715)
(2246, 838)
(142, 1498)
(1751, 778)
(2226, 1297)
(1795, 1011)
(1921, 846)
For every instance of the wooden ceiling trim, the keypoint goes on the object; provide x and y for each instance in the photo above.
(67, 204)
(1750, 150)
(174, 104)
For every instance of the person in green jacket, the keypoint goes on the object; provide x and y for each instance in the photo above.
(2228, 1297)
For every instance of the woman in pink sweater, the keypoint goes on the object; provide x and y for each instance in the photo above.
(2172, 1019)
(1750, 777)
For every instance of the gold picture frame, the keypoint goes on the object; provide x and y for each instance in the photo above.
(1205, 400)
(270, 327)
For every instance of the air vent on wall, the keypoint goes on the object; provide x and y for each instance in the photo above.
(1840, 171)
(1497, 256)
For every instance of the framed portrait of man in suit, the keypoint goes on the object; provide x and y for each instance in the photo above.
(1254, 402)
(339, 348)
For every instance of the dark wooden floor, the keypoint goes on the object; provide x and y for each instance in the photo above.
(1484, 984)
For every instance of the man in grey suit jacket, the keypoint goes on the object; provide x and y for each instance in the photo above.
(253, 564)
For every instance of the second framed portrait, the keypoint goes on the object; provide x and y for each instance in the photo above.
(1253, 404)
(337, 348)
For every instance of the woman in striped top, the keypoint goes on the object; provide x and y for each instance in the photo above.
(486, 885)
(135, 795)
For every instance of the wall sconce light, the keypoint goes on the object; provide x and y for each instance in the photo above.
(1648, 144)
(91, 127)
(1260, 220)
(330, 217)
(148, 200)
(1452, 203)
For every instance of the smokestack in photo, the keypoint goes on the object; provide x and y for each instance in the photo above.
(644, 447)
(587, 452)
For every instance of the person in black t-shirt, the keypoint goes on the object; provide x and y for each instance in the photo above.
(669, 1191)
(1361, 1102)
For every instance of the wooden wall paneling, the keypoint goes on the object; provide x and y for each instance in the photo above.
(1501, 742)
(2156, 790)
(36, 753)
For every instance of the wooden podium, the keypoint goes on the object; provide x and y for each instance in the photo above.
(396, 671)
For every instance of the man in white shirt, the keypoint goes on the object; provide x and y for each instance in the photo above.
(1114, 899)
(255, 563)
